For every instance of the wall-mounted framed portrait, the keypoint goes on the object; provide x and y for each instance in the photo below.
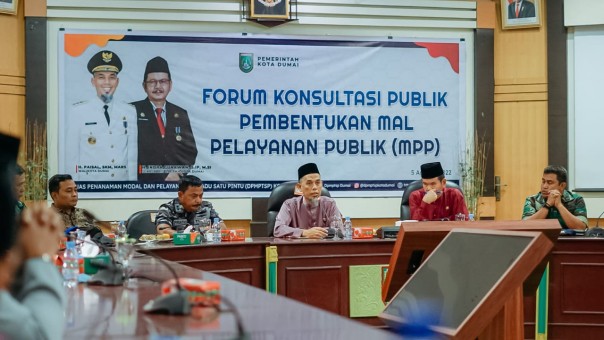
(8, 6)
(520, 13)
(269, 9)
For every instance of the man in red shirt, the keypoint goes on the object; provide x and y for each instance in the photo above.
(435, 201)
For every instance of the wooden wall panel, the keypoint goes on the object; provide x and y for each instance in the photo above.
(521, 114)
(521, 56)
(520, 152)
(12, 73)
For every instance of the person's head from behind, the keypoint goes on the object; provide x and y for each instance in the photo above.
(19, 181)
(63, 191)
(433, 177)
(554, 177)
(309, 182)
(157, 81)
(9, 147)
(104, 66)
(190, 192)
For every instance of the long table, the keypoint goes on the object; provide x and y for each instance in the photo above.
(116, 312)
(344, 277)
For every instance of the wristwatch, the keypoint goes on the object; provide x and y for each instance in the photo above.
(547, 205)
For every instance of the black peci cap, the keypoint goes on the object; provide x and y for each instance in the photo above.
(431, 170)
(157, 64)
(309, 168)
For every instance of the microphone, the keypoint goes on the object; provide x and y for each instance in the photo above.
(596, 231)
(175, 303)
(107, 274)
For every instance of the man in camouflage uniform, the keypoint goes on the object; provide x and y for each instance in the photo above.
(187, 209)
(554, 201)
(64, 194)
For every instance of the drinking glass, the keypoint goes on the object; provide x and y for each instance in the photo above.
(125, 251)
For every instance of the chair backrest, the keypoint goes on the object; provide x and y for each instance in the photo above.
(141, 222)
(279, 195)
(416, 185)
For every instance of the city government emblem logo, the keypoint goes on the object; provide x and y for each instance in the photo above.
(246, 62)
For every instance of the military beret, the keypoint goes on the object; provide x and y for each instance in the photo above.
(431, 170)
(105, 61)
(157, 64)
(309, 168)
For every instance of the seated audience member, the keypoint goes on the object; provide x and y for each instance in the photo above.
(435, 201)
(64, 194)
(187, 209)
(554, 201)
(19, 188)
(310, 214)
(34, 309)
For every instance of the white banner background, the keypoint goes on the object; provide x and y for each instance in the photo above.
(324, 64)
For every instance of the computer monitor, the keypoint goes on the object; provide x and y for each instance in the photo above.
(416, 240)
(467, 280)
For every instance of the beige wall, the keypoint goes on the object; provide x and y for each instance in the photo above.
(12, 73)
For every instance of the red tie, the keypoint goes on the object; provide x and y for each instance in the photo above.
(160, 122)
(517, 8)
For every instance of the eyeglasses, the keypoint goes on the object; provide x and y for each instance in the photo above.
(153, 83)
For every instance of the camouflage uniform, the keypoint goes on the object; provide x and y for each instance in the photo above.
(75, 217)
(572, 202)
(174, 214)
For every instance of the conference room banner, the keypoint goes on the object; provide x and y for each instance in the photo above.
(245, 111)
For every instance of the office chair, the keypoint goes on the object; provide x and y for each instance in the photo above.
(279, 194)
(141, 222)
(416, 185)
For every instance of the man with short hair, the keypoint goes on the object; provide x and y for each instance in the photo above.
(555, 201)
(188, 208)
(309, 214)
(166, 145)
(435, 201)
(64, 193)
(101, 136)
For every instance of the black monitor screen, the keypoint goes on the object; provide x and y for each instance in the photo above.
(456, 277)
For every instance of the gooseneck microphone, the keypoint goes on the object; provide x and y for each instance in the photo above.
(108, 274)
(596, 231)
(175, 303)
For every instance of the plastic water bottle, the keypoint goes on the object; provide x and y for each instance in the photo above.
(122, 232)
(217, 231)
(347, 229)
(470, 217)
(71, 267)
